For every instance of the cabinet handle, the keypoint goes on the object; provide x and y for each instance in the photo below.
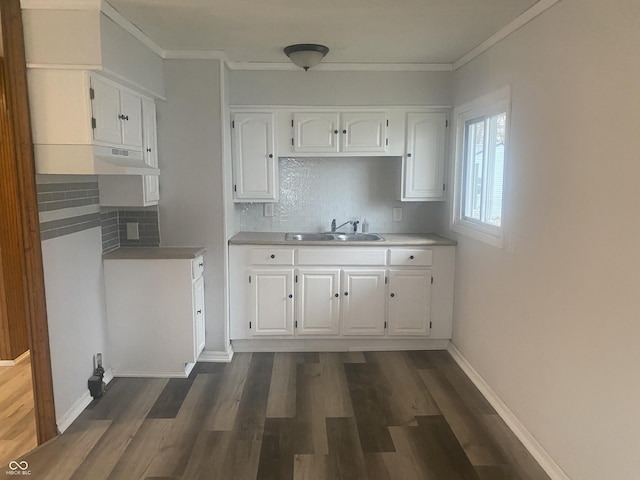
(290, 295)
(199, 311)
(149, 150)
(335, 131)
(344, 131)
(201, 264)
(271, 155)
(411, 257)
(123, 117)
(337, 295)
(273, 256)
(346, 293)
(393, 295)
(408, 154)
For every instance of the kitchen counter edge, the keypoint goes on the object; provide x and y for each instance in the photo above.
(390, 240)
(154, 253)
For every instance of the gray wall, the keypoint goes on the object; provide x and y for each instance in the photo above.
(191, 204)
(551, 320)
(339, 88)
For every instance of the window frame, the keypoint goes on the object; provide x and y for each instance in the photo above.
(483, 107)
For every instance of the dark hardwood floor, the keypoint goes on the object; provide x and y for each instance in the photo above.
(351, 416)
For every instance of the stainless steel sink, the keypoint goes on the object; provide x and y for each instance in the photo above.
(333, 237)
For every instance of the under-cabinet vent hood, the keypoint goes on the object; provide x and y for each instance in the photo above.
(90, 160)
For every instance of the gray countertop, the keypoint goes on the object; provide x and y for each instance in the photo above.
(154, 253)
(390, 239)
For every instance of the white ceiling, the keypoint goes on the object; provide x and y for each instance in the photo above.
(356, 31)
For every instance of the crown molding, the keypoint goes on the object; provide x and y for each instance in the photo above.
(195, 54)
(504, 32)
(345, 67)
(129, 27)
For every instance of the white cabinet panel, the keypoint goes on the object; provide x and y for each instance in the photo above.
(151, 187)
(315, 132)
(254, 157)
(423, 161)
(318, 301)
(363, 132)
(105, 105)
(131, 107)
(198, 308)
(271, 302)
(409, 302)
(362, 302)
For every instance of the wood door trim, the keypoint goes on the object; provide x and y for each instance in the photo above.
(17, 99)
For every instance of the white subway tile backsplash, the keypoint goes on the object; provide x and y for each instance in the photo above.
(313, 191)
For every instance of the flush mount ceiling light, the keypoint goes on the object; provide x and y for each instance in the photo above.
(306, 55)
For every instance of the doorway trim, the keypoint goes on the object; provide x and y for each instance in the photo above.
(26, 206)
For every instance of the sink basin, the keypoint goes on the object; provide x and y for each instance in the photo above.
(358, 237)
(309, 237)
(333, 237)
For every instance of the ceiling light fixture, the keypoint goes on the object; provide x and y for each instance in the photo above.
(306, 55)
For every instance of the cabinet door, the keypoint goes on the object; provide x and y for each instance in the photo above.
(255, 160)
(363, 132)
(315, 132)
(318, 301)
(131, 116)
(271, 302)
(198, 316)
(362, 303)
(105, 108)
(151, 187)
(409, 302)
(423, 161)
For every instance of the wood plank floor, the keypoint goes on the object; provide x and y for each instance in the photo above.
(17, 417)
(350, 416)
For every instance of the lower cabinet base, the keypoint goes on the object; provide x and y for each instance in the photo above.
(337, 345)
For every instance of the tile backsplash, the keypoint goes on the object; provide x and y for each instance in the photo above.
(313, 191)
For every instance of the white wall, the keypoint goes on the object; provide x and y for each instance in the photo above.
(124, 57)
(552, 320)
(339, 88)
(76, 312)
(191, 204)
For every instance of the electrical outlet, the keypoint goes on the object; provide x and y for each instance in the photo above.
(397, 214)
(268, 209)
(133, 231)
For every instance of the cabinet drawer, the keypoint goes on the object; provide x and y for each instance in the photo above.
(197, 267)
(410, 256)
(270, 256)
(341, 256)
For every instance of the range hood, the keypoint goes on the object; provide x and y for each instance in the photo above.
(90, 160)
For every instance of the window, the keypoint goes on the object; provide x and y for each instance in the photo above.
(481, 148)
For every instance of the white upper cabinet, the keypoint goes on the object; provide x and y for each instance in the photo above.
(117, 114)
(136, 190)
(363, 132)
(315, 132)
(339, 132)
(255, 161)
(423, 160)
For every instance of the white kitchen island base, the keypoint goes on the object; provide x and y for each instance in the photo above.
(155, 310)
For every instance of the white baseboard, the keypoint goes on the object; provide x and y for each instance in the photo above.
(338, 345)
(536, 450)
(74, 412)
(216, 356)
(63, 422)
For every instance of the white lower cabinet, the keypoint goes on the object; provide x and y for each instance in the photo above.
(343, 293)
(318, 301)
(155, 311)
(409, 301)
(362, 304)
(271, 301)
